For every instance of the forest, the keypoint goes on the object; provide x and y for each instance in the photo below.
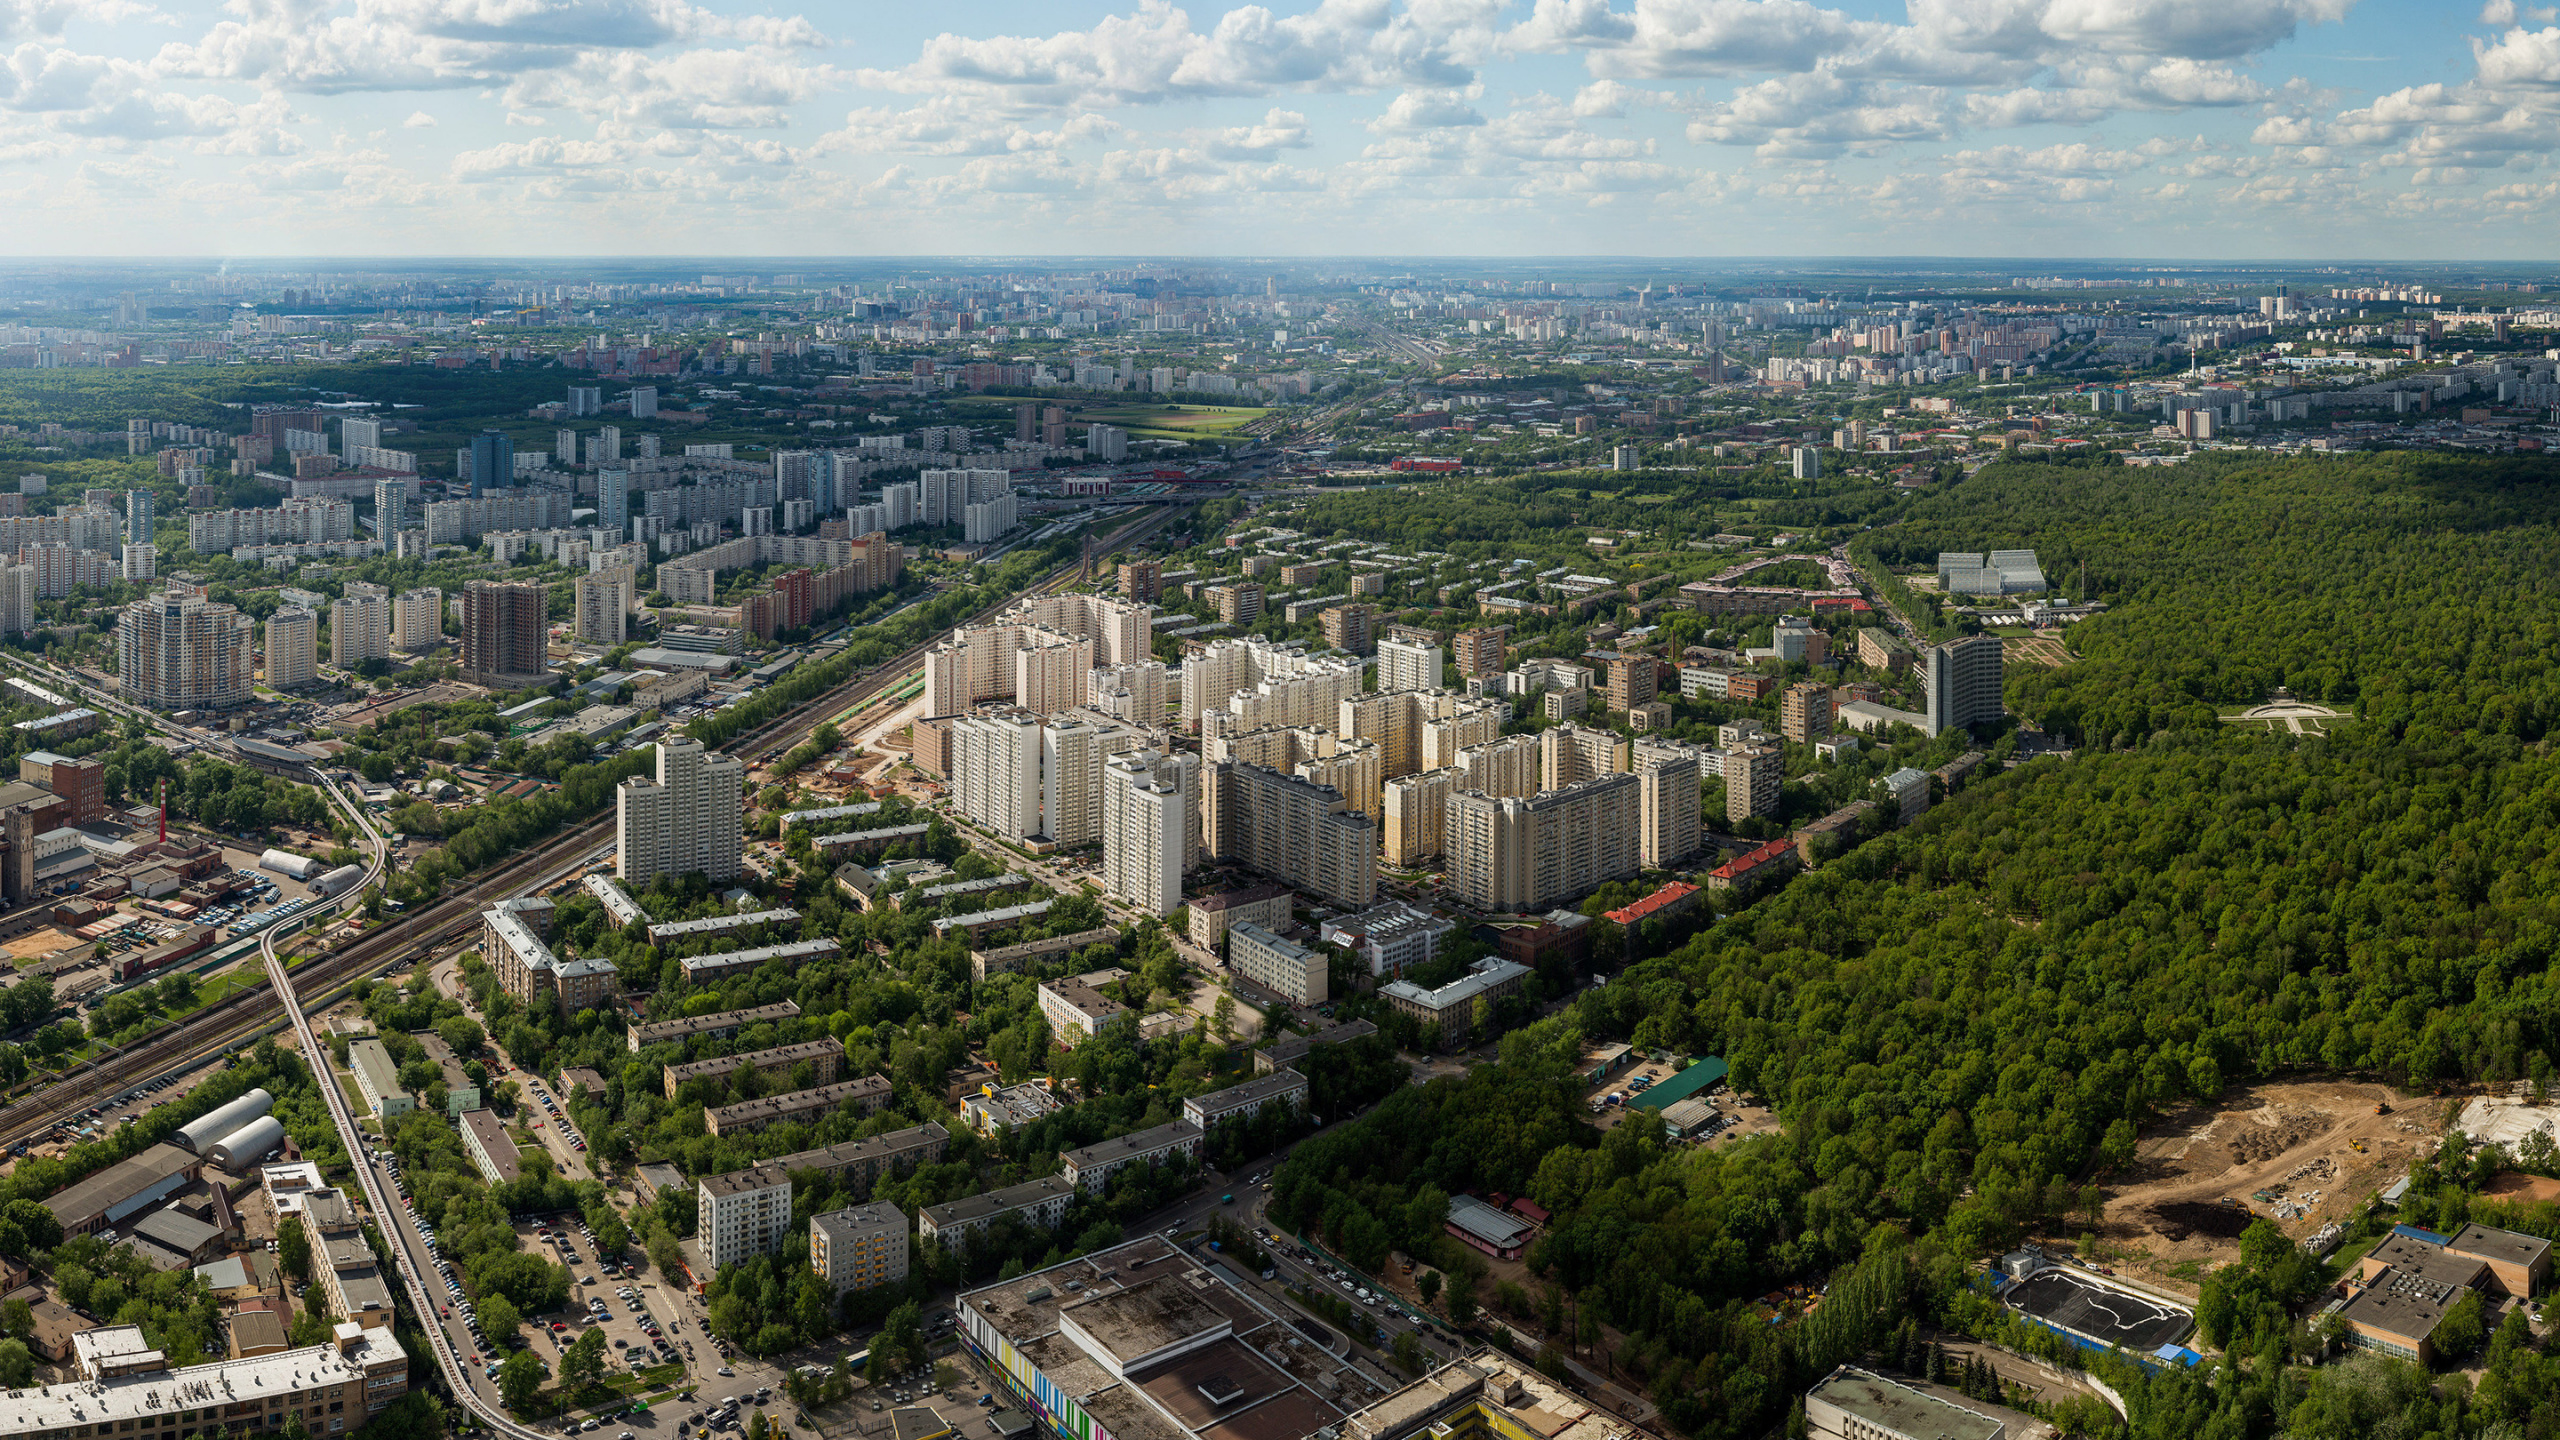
(1964, 1023)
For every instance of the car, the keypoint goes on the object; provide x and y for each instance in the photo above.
(725, 1370)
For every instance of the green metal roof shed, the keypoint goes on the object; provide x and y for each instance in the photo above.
(1681, 1086)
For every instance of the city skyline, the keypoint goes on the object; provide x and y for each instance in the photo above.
(2122, 129)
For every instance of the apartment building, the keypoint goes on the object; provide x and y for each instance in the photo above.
(1452, 1007)
(1139, 693)
(1142, 581)
(1408, 665)
(1284, 1088)
(1668, 788)
(1076, 1008)
(179, 651)
(1631, 681)
(823, 1057)
(417, 619)
(505, 633)
(1266, 905)
(511, 939)
(1239, 604)
(1418, 729)
(1881, 649)
(718, 1026)
(742, 1214)
(1040, 669)
(1414, 829)
(1910, 791)
(360, 625)
(1294, 830)
(1073, 752)
(378, 1079)
(1283, 967)
(1479, 652)
(685, 821)
(604, 605)
(1391, 938)
(1752, 775)
(1352, 628)
(1260, 683)
(798, 1107)
(1509, 853)
(1964, 683)
(1090, 1169)
(1150, 827)
(1804, 712)
(485, 1139)
(1040, 1204)
(1570, 754)
(860, 1247)
(293, 648)
(1508, 766)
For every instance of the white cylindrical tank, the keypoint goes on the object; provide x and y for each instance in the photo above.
(222, 1120)
(339, 881)
(247, 1145)
(300, 867)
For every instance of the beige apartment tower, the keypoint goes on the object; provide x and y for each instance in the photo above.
(1804, 712)
(293, 648)
(179, 651)
(604, 605)
(1514, 854)
(1571, 753)
(1752, 775)
(1149, 829)
(1291, 829)
(417, 619)
(360, 625)
(1669, 830)
(1417, 818)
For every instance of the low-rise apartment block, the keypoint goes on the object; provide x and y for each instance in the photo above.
(823, 1057)
(485, 1139)
(1040, 1204)
(1452, 1006)
(1091, 1168)
(378, 1079)
(747, 1212)
(1392, 938)
(1076, 1008)
(511, 939)
(718, 1026)
(1266, 905)
(1283, 967)
(1243, 1102)
(867, 1095)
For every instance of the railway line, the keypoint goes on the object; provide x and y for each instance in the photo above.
(238, 1018)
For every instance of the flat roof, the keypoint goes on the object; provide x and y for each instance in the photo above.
(779, 1057)
(1902, 1409)
(749, 959)
(1137, 1142)
(1134, 1323)
(1486, 1223)
(373, 1062)
(798, 1102)
(666, 930)
(691, 1025)
(122, 1398)
(1486, 975)
(2506, 1247)
(1250, 895)
(102, 1193)
(1690, 1082)
(1251, 1092)
(996, 1202)
(484, 1127)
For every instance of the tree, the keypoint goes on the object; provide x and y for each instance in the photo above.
(17, 1363)
(499, 1317)
(2462, 1329)
(1428, 1284)
(582, 1365)
(899, 1347)
(520, 1378)
(293, 1249)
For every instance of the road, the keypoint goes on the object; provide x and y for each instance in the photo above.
(1901, 622)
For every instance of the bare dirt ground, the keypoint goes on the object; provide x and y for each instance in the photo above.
(2166, 1213)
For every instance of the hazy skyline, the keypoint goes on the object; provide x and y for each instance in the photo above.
(2123, 128)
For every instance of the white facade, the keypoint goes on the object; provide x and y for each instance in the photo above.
(1408, 665)
(1072, 754)
(360, 625)
(417, 619)
(995, 771)
(1149, 828)
(604, 605)
(686, 820)
(1283, 967)
(742, 1215)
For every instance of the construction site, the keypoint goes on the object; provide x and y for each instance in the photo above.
(2303, 1154)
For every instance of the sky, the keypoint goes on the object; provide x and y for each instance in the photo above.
(2217, 129)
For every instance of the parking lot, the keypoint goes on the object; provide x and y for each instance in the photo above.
(559, 1135)
(642, 1325)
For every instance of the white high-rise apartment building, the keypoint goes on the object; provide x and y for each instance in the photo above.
(899, 504)
(141, 562)
(995, 771)
(1408, 665)
(391, 513)
(357, 433)
(17, 599)
(946, 495)
(644, 403)
(417, 619)
(604, 605)
(1137, 694)
(1122, 631)
(293, 648)
(742, 1215)
(1149, 828)
(684, 821)
(1668, 788)
(1249, 683)
(1039, 655)
(360, 625)
(989, 519)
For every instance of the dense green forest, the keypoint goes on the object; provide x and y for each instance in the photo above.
(1964, 1023)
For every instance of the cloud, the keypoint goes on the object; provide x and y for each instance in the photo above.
(419, 120)
(948, 125)
(1425, 110)
(20, 18)
(749, 89)
(1276, 131)
(1154, 55)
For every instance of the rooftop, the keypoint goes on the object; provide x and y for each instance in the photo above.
(1250, 895)
(2506, 1247)
(1486, 1223)
(1139, 1142)
(1251, 1092)
(145, 1388)
(780, 1057)
(996, 1202)
(691, 1025)
(1902, 1409)
(667, 930)
(1463, 990)
(800, 1102)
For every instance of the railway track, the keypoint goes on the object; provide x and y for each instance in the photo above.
(237, 1018)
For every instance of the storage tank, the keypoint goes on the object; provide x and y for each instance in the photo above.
(339, 881)
(287, 863)
(247, 1145)
(203, 1130)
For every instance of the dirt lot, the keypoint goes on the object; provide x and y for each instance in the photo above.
(1747, 1118)
(2033, 650)
(2167, 1210)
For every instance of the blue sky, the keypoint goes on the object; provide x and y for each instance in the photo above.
(2392, 129)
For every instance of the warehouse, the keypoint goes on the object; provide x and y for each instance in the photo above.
(126, 1188)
